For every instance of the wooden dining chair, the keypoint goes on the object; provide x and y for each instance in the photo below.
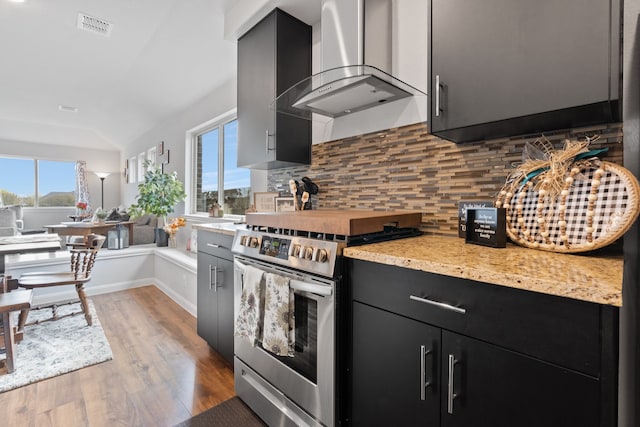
(82, 261)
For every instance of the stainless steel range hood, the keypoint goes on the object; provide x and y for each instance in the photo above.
(343, 88)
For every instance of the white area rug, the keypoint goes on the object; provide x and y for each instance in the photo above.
(57, 347)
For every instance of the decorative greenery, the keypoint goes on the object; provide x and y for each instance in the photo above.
(100, 214)
(158, 194)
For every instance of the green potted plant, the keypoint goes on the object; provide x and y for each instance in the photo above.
(158, 195)
(101, 215)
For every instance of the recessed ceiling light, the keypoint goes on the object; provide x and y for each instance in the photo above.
(67, 108)
(17, 1)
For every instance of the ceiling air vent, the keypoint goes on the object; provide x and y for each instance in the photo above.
(94, 25)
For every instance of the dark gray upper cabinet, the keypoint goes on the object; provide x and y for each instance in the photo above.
(272, 56)
(511, 67)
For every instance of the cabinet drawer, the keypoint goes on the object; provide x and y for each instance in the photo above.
(559, 330)
(216, 244)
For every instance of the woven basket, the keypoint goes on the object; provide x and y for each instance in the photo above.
(589, 214)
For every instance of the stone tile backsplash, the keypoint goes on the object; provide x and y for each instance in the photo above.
(409, 169)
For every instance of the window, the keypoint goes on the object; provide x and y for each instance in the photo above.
(37, 183)
(215, 151)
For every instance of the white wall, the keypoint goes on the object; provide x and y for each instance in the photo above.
(97, 160)
(409, 63)
(172, 132)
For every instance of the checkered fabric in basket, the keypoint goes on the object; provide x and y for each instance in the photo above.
(615, 210)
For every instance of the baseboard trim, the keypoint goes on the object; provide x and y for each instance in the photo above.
(177, 298)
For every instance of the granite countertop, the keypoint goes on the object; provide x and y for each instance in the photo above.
(220, 227)
(589, 278)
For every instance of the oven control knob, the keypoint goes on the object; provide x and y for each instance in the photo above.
(308, 252)
(253, 243)
(243, 241)
(323, 256)
(296, 251)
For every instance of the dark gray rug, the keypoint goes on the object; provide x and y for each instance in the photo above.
(230, 413)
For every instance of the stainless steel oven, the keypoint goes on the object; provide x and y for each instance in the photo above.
(306, 248)
(298, 390)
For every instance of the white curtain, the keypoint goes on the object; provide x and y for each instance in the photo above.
(82, 186)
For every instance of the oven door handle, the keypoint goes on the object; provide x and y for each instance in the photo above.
(321, 290)
(295, 284)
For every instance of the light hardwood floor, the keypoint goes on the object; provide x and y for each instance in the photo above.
(162, 372)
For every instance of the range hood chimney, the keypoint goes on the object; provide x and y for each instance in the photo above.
(346, 85)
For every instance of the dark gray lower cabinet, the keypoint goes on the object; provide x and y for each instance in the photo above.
(415, 363)
(215, 292)
(387, 365)
(486, 385)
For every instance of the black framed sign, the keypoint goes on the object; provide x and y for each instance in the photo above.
(462, 213)
(487, 227)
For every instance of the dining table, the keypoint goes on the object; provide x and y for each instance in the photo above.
(17, 300)
(27, 244)
(85, 228)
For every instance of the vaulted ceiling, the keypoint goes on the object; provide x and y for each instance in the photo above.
(160, 57)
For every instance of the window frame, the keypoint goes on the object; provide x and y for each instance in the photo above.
(191, 139)
(36, 176)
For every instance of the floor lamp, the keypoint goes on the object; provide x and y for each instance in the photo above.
(102, 176)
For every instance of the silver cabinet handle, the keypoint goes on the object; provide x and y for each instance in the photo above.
(451, 395)
(215, 245)
(213, 284)
(424, 383)
(215, 278)
(267, 135)
(437, 95)
(438, 304)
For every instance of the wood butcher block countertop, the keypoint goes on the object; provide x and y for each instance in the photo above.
(589, 278)
(340, 222)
